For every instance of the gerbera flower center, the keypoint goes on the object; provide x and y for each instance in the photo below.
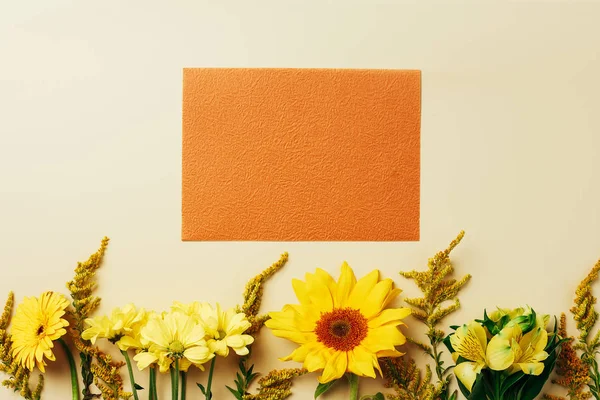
(341, 329)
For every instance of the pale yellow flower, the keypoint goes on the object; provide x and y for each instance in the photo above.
(175, 336)
(122, 327)
(36, 324)
(342, 326)
(224, 330)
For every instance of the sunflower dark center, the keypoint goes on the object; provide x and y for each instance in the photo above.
(342, 329)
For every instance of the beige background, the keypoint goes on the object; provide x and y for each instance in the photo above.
(90, 145)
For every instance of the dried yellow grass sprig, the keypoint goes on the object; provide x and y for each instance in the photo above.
(276, 385)
(577, 363)
(571, 370)
(97, 367)
(18, 375)
(438, 288)
(403, 375)
(254, 292)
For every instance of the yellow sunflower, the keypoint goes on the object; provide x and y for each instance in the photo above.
(342, 326)
(37, 323)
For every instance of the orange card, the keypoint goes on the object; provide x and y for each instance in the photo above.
(301, 154)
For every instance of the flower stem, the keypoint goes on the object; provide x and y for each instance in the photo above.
(175, 380)
(152, 384)
(353, 379)
(210, 378)
(183, 384)
(74, 379)
(131, 377)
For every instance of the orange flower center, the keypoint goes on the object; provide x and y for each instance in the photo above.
(341, 329)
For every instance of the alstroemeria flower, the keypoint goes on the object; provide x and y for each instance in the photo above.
(470, 342)
(526, 352)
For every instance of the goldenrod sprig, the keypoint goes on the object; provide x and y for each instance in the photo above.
(97, 367)
(572, 371)
(253, 295)
(438, 289)
(403, 375)
(276, 385)
(586, 316)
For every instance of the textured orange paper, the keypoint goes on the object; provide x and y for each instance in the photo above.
(301, 154)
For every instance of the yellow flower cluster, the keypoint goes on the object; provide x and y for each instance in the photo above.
(190, 334)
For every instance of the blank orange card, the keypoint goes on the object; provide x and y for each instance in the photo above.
(301, 154)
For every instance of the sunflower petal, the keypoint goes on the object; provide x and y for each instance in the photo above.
(335, 368)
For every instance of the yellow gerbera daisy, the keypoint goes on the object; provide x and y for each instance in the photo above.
(37, 323)
(342, 326)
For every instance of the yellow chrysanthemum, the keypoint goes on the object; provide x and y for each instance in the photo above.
(342, 326)
(121, 327)
(224, 329)
(37, 323)
(175, 336)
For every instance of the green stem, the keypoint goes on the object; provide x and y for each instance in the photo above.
(353, 379)
(497, 385)
(176, 376)
(210, 378)
(131, 377)
(73, 367)
(183, 384)
(173, 379)
(151, 383)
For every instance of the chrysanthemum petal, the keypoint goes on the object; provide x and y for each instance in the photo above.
(144, 359)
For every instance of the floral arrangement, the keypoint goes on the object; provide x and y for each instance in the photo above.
(506, 355)
(346, 329)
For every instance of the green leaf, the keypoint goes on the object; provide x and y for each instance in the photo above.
(138, 387)
(324, 387)
(479, 388)
(379, 396)
(510, 381)
(201, 386)
(236, 394)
